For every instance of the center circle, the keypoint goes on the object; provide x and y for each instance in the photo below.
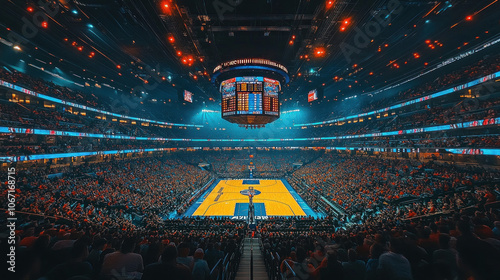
(247, 192)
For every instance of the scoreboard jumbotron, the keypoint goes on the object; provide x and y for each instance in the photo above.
(250, 100)
(250, 96)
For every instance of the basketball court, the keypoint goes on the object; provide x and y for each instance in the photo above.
(230, 198)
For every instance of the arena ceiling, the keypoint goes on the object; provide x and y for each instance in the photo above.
(348, 47)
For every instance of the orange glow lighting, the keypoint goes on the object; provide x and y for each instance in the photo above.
(318, 52)
(166, 7)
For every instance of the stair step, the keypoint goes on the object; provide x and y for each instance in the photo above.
(259, 267)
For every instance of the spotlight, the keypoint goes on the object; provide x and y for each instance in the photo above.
(319, 52)
(166, 7)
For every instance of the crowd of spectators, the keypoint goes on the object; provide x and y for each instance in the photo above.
(266, 163)
(51, 89)
(361, 184)
(449, 110)
(365, 104)
(35, 116)
(72, 145)
(399, 219)
(178, 249)
(118, 194)
(459, 245)
(383, 218)
(391, 211)
(489, 141)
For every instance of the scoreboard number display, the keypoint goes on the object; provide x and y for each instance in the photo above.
(250, 96)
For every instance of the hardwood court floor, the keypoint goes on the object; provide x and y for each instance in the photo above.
(273, 194)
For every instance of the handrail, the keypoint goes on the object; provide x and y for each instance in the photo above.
(291, 269)
(215, 266)
(251, 259)
(225, 271)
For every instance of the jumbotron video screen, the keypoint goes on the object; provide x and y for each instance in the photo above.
(250, 96)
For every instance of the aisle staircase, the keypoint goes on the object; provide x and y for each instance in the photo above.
(252, 265)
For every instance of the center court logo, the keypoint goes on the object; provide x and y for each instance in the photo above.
(247, 192)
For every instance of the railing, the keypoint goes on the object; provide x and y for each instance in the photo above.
(225, 269)
(251, 259)
(273, 263)
(214, 273)
(291, 270)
